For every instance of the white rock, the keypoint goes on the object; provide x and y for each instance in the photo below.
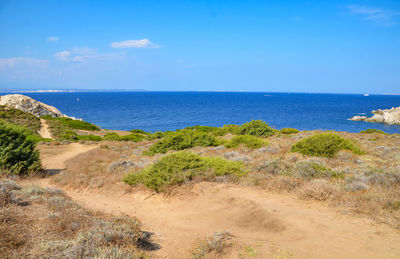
(27, 104)
(388, 116)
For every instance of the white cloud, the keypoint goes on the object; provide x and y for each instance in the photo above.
(382, 16)
(143, 43)
(84, 54)
(53, 39)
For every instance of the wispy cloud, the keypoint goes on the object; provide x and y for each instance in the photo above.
(24, 69)
(84, 54)
(143, 43)
(53, 39)
(378, 15)
(21, 61)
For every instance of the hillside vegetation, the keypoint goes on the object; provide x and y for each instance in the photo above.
(17, 151)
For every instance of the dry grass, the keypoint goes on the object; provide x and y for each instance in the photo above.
(50, 225)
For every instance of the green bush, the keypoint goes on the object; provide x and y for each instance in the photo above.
(180, 167)
(248, 141)
(256, 128)
(71, 124)
(89, 137)
(230, 128)
(139, 131)
(17, 150)
(369, 131)
(289, 131)
(156, 135)
(183, 139)
(325, 145)
(20, 118)
(135, 137)
(205, 129)
(310, 170)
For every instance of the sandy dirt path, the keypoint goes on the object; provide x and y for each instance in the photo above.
(272, 225)
(44, 131)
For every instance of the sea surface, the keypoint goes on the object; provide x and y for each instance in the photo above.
(161, 111)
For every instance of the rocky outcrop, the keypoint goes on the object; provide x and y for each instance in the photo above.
(388, 116)
(27, 104)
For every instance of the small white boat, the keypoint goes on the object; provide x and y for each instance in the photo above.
(366, 94)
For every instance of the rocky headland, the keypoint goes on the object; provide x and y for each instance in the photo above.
(29, 105)
(388, 116)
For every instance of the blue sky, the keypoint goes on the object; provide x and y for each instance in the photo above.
(278, 46)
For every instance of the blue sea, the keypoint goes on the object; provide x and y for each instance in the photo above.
(161, 111)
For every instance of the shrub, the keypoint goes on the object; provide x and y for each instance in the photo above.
(183, 139)
(205, 129)
(230, 128)
(139, 131)
(369, 131)
(155, 135)
(135, 137)
(89, 137)
(309, 170)
(20, 118)
(180, 167)
(325, 145)
(248, 141)
(289, 131)
(17, 150)
(73, 124)
(256, 128)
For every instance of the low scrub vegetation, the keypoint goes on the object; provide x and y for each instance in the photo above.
(17, 150)
(325, 145)
(370, 131)
(63, 128)
(246, 140)
(23, 119)
(180, 167)
(183, 139)
(73, 124)
(135, 137)
(289, 131)
(256, 128)
(45, 223)
(230, 128)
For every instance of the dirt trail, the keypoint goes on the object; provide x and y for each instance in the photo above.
(57, 161)
(44, 131)
(275, 226)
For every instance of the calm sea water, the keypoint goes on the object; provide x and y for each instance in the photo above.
(160, 111)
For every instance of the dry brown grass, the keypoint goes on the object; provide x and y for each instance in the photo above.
(50, 225)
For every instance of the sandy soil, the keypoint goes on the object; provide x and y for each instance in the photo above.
(44, 131)
(271, 225)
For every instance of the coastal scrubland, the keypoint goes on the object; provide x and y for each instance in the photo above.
(355, 173)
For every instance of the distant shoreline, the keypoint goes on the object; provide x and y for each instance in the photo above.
(13, 91)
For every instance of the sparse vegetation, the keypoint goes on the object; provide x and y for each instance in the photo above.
(73, 124)
(289, 131)
(89, 137)
(63, 128)
(230, 128)
(23, 119)
(247, 141)
(17, 151)
(212, 245)
(325, 145)
(65, 229)
(256, 128)
(370, 131)
(139, 131)
(183, 139)
(134, 137)
(180, 167)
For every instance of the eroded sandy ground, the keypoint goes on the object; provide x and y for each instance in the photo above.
(271, 225)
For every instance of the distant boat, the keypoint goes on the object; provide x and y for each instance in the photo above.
(366, 94)
(77, 99)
